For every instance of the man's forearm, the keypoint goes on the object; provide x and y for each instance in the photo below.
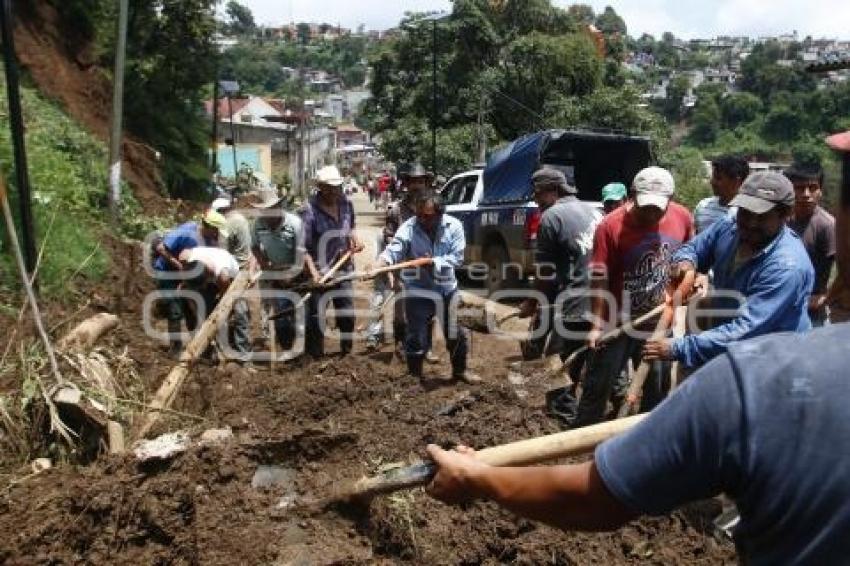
(569, 497)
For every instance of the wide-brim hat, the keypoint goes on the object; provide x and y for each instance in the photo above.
(215, 220)
(330, 176)
(268, 199)
(417, 170)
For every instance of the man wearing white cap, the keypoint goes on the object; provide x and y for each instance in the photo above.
(758, 256)
(329, 233)
(632, 248)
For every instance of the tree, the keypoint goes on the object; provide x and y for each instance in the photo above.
(240, 19)
(740, 108)
(303, 32)
(536, 67)
(706, 122)
(582, 14)
(782, 124)
(677, 88)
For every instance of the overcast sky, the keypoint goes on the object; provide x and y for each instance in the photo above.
(685, 18)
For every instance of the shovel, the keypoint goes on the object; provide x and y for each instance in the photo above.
(521, 453)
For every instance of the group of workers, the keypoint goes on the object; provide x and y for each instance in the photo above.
(313, 249)
(761, 418)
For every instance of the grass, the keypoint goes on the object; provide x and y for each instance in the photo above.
(68, 179)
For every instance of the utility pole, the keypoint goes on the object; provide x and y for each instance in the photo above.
(214, 141)
(117, 114)
(232, 138)
(482, 137)
(16, 124)
(434, 97)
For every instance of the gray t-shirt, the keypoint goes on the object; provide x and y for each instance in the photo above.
(767, 424)
(239, 237)
(818, 235)
(565, 240)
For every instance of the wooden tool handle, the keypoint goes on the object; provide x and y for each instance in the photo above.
(554, 446)
(336, 267)
(521, 453)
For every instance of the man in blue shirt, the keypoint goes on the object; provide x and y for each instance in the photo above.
(764, 423)
(167, 265)
(437, 238)
(756, 255)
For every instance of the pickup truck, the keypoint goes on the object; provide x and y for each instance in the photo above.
(496, 207)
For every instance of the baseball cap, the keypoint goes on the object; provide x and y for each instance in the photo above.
(763, 190)
(548, 176)
(329, 175)
(653, 186)
(613, 191)
(215, 220)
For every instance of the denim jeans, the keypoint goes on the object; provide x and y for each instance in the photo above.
(605, 376)
(343, 302)
(420, 310)
(240, 329)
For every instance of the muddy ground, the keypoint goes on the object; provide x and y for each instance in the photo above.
(320, 423)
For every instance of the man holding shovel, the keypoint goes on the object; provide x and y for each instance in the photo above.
(278, 250)
(757, 256)
(329, 234)
(437, 240)
(629, 274)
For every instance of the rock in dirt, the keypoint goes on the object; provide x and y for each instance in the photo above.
(162, 447)
(269, 476)
(215, 436)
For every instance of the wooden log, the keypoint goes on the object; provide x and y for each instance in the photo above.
(484, 315)
(85, 334)
(115, 434)
(174, 381)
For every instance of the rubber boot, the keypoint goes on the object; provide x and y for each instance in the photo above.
(461, 373)
(175, 345)
(414, 366)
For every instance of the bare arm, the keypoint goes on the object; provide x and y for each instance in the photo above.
(568, 497)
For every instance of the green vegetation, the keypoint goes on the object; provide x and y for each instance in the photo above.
(517, 67)
(68, 178)
(171, 60)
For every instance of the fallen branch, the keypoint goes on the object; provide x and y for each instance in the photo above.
(56, 423)
(197, 345)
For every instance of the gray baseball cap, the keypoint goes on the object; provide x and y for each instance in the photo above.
(763, 190)
(550, 177)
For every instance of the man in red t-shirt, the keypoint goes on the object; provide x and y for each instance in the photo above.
(632, 248)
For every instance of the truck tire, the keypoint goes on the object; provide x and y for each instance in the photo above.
(496, 257)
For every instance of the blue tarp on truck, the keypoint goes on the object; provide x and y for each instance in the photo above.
(589, 159)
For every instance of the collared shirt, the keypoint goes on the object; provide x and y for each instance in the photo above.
(776, 283)
(280, 245)
(709, 210)
(766, 423)
(325, 237)
(183, 237)
(412, 242)
(238, 240)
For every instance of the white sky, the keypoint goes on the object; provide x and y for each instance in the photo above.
(685, 18)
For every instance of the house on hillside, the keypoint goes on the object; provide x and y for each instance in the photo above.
(349, 134)
(270, 138)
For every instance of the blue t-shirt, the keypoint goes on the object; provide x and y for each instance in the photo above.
(768, 424)
(184, 237)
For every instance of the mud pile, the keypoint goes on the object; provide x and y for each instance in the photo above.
(318, 424)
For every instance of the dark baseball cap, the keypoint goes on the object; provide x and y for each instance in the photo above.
(551, 177)
(763, 190)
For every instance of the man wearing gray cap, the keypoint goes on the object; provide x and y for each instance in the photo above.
(564, 243)
(756, 255)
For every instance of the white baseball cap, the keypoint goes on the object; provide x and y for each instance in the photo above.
(654, 186)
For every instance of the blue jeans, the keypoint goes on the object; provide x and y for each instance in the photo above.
(343, 302)
(605, 376)
(420, 311)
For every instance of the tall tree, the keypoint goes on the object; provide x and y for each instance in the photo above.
(240, 19)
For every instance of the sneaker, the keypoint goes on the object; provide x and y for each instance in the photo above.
(431, 357)
(372, 345)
